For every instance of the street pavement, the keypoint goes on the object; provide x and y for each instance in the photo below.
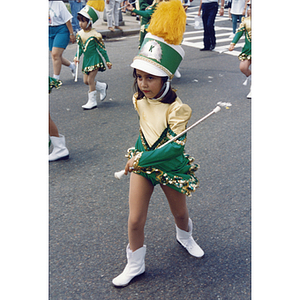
(88, 207)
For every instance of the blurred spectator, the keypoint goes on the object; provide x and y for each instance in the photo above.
(112, 12)
(209, 11)
(60, 33)
(76, 6)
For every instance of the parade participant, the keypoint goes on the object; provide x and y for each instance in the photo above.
(58, 141)
(162, 116)
(245, 56)
(60, 33)
(146, 16)
(91, 44)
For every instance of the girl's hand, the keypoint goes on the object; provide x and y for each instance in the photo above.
(129, 165)
(109, 65)
(107, 1)
(130, 7)
(76, 61)
(231, 47)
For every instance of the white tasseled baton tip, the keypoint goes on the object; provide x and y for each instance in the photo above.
(119, 174)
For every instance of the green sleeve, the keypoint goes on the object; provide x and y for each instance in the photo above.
(79, 42)
(157, 156)
(144, 13)
(144, 3)
(102, 50)
(238, 34)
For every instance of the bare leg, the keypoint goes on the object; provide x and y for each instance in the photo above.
(58, 60)
(177, 203)
(244, 67)
(140, 193)
(90, 80)
(53, 131)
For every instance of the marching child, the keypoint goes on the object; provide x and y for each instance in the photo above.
(146, 16)
(245, 56)
(162, 116)
(90, 43)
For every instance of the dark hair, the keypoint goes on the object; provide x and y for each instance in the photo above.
(82, 18)
(169, 98)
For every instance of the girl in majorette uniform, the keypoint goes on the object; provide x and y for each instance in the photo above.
(162, 116)
(245, 56)
(91, 44)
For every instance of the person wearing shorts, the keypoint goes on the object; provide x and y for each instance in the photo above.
(60, 33)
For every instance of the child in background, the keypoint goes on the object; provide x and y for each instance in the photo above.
(245, 56)
(90, 43)
(162, 116)
(146, 16)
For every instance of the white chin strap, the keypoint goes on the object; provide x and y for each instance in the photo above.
(166, 86)
(88, 24)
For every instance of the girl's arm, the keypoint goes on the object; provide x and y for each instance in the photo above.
(178, 117)
(79, 42)
(143, 13)
(101, 48)
(155, 157)
(237, 36)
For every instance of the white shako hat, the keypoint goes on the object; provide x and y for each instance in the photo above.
(161, 53)
(157, 57)
(90, 13)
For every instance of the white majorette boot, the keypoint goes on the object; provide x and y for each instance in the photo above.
(135, 266)
(60, 150)
(92, 102)
(249, 96)
(102, 88)
(248, 79)
(186, 240)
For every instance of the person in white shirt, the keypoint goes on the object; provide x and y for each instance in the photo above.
(238, 10)
(60, 33)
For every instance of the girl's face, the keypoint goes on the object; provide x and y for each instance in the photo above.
(82, 22)
(149, 84)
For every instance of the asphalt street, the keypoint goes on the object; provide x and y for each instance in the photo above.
(88, 207)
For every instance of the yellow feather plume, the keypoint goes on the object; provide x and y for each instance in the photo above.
(168, 22)
(97, 4)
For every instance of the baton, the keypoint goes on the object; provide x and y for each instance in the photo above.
(77, 54)
(127, 4)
